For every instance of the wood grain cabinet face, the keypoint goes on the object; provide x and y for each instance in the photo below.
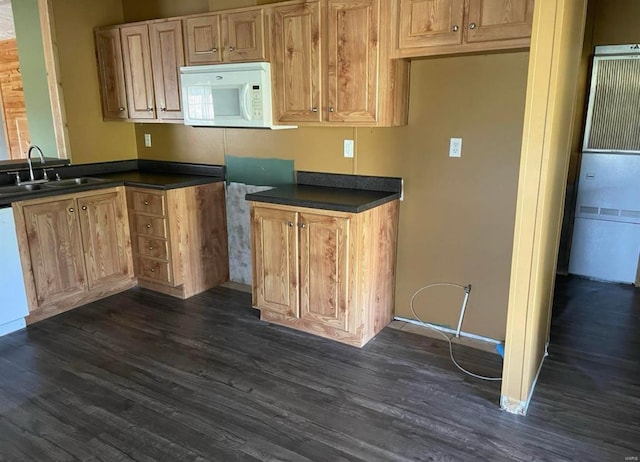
(225, 38)
(324, 276)
(276, 260)
(203, 39)
(331, 64)
(167, 55)
(74, 249)
(111, 72)
(136, 52)
(325, 272)
(430, 22)
(438, 27)
(297, 65)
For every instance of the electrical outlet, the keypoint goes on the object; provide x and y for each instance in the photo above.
(455, 147)
(348, 148)
(147, 140)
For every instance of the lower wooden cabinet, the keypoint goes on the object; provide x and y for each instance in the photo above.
(74, 249)
(325, 272)
(179, 238)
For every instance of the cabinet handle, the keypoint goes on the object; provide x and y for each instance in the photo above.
(71, 209)
(331, 109)
(290, 224)
(472, 25)
(314, 109)
(146, 202)
(84, 207)
(455, 28)
(148, 226)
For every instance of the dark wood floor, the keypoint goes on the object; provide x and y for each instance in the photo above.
(140, 376)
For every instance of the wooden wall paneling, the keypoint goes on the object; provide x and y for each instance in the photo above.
(13, 104)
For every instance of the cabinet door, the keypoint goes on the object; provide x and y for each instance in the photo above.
(244, 36)
(297, 63)
(203, 42)
(275, 251)
(111, 72)
(105, 238)
(352, 60)
(55, 250)
(324, 244)
(424, 23)
(492, 20)
(136, 54)
(167, 55)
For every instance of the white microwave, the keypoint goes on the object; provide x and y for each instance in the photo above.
(228, 95)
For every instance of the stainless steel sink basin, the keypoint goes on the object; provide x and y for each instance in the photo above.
(69, 182)
(18, 189)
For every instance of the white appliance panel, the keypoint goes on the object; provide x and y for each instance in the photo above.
(13, 307)
(605, 250)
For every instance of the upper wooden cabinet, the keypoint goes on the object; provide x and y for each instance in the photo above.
(139, 70)
(111, 73)
(435, 27)
(331, 64)
(226, 37)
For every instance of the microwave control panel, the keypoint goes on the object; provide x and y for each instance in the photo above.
(256, 102)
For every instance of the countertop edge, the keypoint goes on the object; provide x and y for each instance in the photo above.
(256, 197)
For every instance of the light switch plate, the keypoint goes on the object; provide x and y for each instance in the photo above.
(348, 148)
(147, 140)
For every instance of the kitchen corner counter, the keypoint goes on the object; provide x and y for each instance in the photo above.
(324, 197)
(155, 180)
(327, 191)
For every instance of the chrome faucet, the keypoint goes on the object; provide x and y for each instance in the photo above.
(42, 161)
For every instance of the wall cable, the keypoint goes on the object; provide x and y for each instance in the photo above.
(467, 291)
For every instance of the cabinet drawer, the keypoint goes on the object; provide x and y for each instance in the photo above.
(154, 269)
(149, 247)
(148, 202)
(150, 226)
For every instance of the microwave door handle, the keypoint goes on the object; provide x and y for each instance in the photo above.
(246, 102)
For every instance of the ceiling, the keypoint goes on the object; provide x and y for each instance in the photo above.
(6, 20)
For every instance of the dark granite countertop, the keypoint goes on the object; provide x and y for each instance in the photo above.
(148, 174)
(324, 197)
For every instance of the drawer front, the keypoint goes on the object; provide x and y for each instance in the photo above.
(150, 247)
(148, 202)
(155, 270)
(150, 226)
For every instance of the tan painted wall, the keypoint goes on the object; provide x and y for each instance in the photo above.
(142, 10)
(616, 22)
(90, 138)
(556, 49)
(457, 219)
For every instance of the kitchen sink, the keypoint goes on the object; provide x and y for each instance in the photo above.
(18, 189)
(69, 182)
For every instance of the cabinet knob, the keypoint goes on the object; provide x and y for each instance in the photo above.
(71, 209)
(84, 207)
(148, 226)
(290, 224)
(121, 109)
(153, 270)
(230, 48)
(302, 225)
(314, 109)
(149, 109)
(150, 247)
(455, 28)
(472, 25)
(214, 50)
(163, 108)
(146, 202)
(331, 109)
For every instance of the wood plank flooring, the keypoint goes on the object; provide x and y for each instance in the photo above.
(144, 377)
